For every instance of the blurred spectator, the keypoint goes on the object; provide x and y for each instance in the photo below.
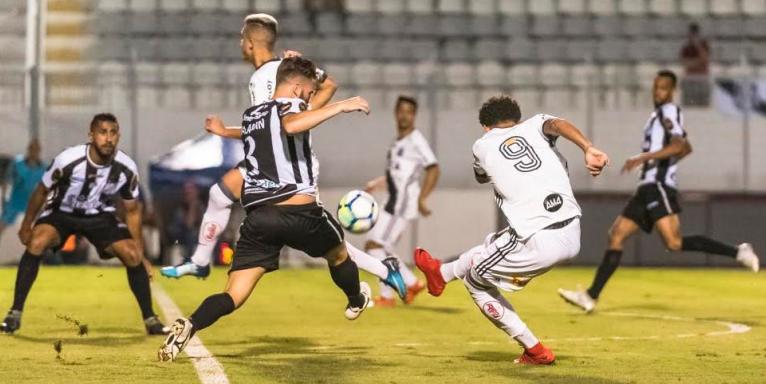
(23, 174)
(695, 57)
(187, 219)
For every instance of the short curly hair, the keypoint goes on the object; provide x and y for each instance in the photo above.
(296, 66)
(498, 109)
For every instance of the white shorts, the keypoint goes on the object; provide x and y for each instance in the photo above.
(510, 264)
(388, 230)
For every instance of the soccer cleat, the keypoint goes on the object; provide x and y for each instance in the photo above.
(579, 299)
(432, 269)
(185, 268)
(394, 278)
(385, 302)
(544, 357)
(353, 312)
(747, 257)
(413, 290)
(12, 322)
(180, 333)
(155, 327)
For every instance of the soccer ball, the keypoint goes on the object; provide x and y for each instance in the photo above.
(357, 211)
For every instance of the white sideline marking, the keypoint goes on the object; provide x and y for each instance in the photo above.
(209, 370)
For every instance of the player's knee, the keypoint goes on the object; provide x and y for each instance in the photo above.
(673, 245)
(130, 256)
(38, 244)
(337, 255)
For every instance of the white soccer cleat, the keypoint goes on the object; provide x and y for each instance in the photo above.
(747, 257)
(579, 299)
(180, 334)
(353, 312)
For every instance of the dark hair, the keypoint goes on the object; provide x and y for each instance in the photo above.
(406, 99)
(105, 116)
(694, 28)
(669, 74)
(498, 109)
(296, 66)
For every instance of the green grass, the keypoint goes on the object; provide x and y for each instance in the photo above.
(292, 331)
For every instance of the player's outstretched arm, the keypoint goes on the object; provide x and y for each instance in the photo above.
(301, 122)
(375, 184)
(595, 159)
(215, 125)
(678, 147)
(324, 94)
(36, 202)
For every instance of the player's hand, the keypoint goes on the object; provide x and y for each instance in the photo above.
(355, 104)
(423, 208)
(633, 163)
(288, 53)
(214, 125)
(25, 234)
(595, 160)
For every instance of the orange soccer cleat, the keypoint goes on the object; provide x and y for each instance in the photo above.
(413, 290)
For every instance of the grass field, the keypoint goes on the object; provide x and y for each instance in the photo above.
(292, 331)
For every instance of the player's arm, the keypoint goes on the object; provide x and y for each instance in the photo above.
(295, 123)
(595, 159)
(677, 147)
(324, 94)
(429, 183)
(34, 205)
(215, 125)
(375, 184)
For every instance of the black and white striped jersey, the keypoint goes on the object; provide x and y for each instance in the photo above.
(665, 122)
(278, 165)
(79, 186)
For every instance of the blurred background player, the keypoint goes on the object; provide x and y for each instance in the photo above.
(281, 199)
(76, 195)
(258, 37)
(409, 158)
(531, 184)
(655, 204)
(24, 173)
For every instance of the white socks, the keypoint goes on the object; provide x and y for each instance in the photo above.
(367, 262)
(213, 223)
(457, 269)
(500, 312)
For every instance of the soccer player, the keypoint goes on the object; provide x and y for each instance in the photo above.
(280, 197)
(532, 188)
(409, 158)
(76, 195)
(258, 37)
(655, 204)
(24, 174)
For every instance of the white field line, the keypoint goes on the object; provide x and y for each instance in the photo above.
(209, 370)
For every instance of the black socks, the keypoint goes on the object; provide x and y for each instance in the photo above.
(608, 265)
(708, 245)
(212, 309)
(25, 277)
(138, 280)
(346, 277)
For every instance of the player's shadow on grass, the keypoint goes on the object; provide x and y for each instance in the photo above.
(99, 336)
(445, 310)
(299, 359)
(502, 364)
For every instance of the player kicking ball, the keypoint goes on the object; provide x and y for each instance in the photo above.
(78, 191)
(655, 204)
(532, 187)
(280, 197)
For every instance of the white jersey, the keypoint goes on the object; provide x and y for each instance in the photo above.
(407, 158)
(664, 123)
(529, 175)
(263, 82)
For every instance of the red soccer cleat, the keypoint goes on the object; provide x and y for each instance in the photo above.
(384, 302)
(413, 291)
(537, 355)
(431, 268)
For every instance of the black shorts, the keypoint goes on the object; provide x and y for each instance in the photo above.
(650, 203)
(266, 229)
(102, 230)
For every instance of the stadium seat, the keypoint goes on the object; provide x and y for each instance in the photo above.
(177, 73)
(602, 7)
(636, 27)
(397, 74)
(292, 6)
(481, 26)
(523, 75)
(541, 7)
(422, 25)
(111, 5)
(366, 73)
(148, 96)
(631, 7)
(211, 23)
(329, 23)
(391, 24)
(490, 49)
(145, 48)
(208, 74)
(235, 6)
(204, 5)
(425, 72)
(390, 7)
(112, 72)
(359, 6)
(13, 48)
(295, 23)
(148, 73)
(581, 50)
(209, 48)
(694, 8)
(611, 51)
(753, 8)
(554, 76)
(175, 23)
(457, 50)
(580, 74)
(339, 71)
(450, 6)
(419, 7)
(521, 50)
(174, 5)
(394, 50)
(572, 7)
(482, 7)
(143, 5)
(670, 27)
(237, 74)
(753, 28)
(459, 74)
(269, 6)
(451, 25)
(645, 72)
(175, 49)
(545, 26)
(463, 99)
(643, 49)
(110, 23)
(730, 27)
(361, 24)
(512, 7)
(528, 99)
(577, 26)
(758, 55)
(727, 52)
(724, 7)
(490, 73)
(662, 8)
(143, 23)
(551, 50)
(423, 49)
(607, 26)
(514, 27)
(176, 97)
(108, 49)
(356, 48)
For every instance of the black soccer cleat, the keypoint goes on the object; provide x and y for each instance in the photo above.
(155, 327)
(12, 322)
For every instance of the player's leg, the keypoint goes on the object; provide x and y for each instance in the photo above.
(380, 244)
(220, 199)
(386, 270)
(669, 228)
(345, 275)
(44, 236)
(439, 274)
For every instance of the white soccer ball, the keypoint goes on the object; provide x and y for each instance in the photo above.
(357, 211)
